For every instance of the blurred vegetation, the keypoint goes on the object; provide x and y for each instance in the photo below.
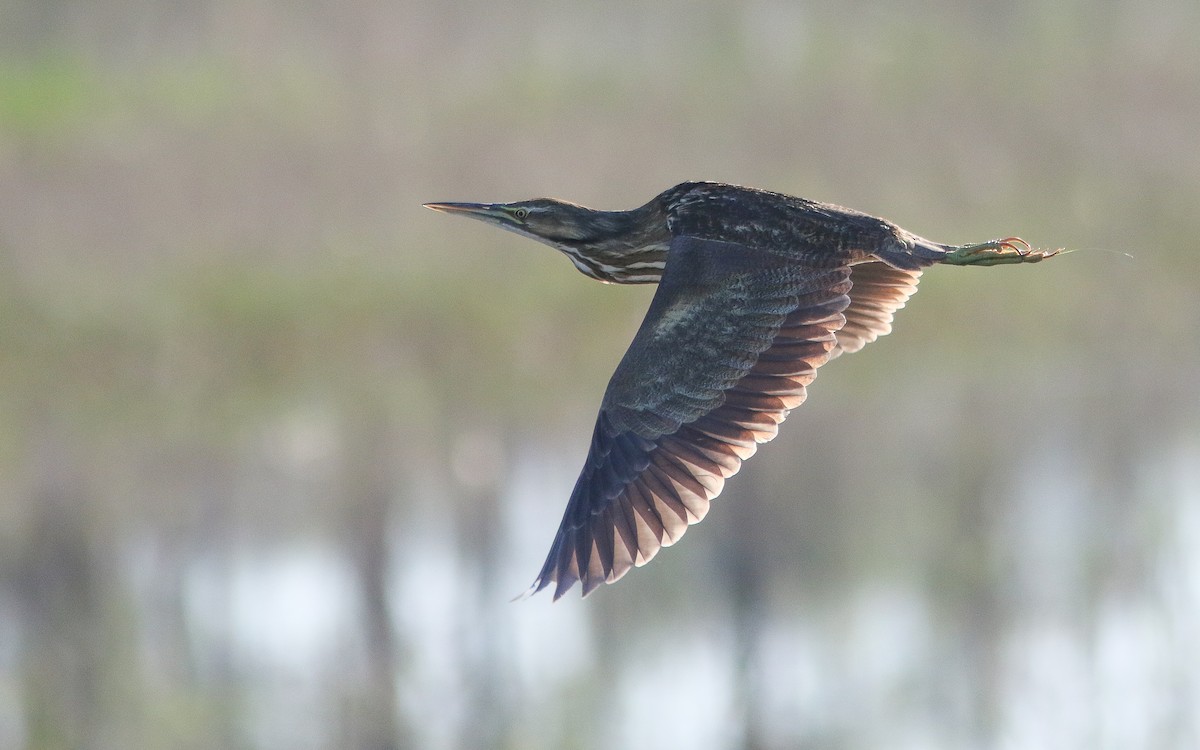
(228, 331)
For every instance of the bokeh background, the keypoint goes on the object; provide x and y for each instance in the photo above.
(277, 445)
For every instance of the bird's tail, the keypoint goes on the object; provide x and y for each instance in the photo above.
(909, 252)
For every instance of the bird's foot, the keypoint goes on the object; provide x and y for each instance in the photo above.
(996, 253)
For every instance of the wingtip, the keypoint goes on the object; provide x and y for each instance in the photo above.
(539, 584)
(524, 594)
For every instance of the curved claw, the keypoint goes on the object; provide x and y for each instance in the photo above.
(1016, 244)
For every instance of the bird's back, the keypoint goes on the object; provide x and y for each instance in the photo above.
(817, 233)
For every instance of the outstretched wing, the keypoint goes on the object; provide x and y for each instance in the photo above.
(879, 291)
(731, 340)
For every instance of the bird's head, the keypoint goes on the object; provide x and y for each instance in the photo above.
(620, 246)
(547, 220)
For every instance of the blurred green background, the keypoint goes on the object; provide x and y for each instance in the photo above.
(277, 445)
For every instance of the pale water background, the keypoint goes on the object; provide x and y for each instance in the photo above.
(278, 446)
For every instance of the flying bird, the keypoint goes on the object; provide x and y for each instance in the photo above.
(756, 290)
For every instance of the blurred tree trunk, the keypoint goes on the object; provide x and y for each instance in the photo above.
(746, 567)
(480, 523)
(968, 591)
(370, 481)
(62, 623)
(65, 609)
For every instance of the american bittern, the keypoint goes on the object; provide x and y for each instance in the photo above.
(756, 291)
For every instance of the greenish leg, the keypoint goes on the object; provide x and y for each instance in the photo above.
(996, 253)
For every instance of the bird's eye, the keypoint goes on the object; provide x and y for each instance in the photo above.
(521, 213)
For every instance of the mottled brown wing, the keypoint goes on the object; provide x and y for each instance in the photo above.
(732, 338)
(879, 290)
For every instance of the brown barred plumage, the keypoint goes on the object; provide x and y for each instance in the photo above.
(756, 291)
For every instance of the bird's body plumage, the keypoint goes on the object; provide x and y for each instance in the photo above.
(756, 291)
